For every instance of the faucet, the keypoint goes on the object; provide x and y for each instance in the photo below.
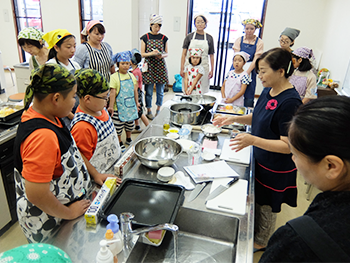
(128, 232)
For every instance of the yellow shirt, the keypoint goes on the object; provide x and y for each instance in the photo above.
(115, 83)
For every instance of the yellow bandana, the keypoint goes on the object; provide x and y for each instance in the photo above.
(54, 36)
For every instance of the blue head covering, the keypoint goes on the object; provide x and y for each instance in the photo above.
(124, 56)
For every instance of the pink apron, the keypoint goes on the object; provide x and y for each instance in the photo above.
(233, 86)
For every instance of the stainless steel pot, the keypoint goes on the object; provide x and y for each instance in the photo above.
(206, 101)
(185, 113)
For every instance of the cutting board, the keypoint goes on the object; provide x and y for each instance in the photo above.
(233, 200)
(243, 156)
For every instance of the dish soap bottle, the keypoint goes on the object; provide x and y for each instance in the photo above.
(104, 255)
(114, 226)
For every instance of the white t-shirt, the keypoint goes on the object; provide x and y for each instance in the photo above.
(71, 66)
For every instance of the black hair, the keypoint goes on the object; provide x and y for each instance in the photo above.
(150, 28)
(41, 96)
(137, 59)
(241, 57)
(53, 52)
(305, 64)
(200, 61)
(205, 20)
(121, 61)
(100, 28)
(277, 58)
(321, 127)
(36, 43)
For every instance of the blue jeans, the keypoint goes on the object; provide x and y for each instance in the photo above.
(149, 94)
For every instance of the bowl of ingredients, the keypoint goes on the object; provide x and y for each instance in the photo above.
(210, 130)
(157, 151)
(173, 135)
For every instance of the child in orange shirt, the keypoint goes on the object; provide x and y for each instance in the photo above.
(92, 128)
(50, 174)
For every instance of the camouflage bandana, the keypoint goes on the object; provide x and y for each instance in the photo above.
(47, 79)
(90, 82)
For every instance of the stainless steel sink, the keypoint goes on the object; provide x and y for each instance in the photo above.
(202, 237)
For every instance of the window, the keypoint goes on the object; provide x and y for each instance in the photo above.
(91, 10)
(27, 14)
(225, 26)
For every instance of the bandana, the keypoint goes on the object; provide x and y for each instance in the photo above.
(88, 26)
(251, 21)
(292, 33)
(124, 56)
(155, 19)
(304, 52)
(48, 78)
(90, 82)
(54, 36)
(195, 52)
(245, 55)
(135, 56)
(31, 33)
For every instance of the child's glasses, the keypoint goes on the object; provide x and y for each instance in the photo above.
(106, 98)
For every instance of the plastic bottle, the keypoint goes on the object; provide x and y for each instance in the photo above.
(113, 247)
(114, 226)
(104, 255)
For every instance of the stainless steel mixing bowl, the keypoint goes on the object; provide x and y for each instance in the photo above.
(155, 152)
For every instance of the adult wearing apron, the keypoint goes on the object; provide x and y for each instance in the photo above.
(94, 53)
(254, 46)
(200, 39)
(154, 48)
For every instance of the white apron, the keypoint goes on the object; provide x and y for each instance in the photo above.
(107, 150)
(203, 44)
(233, 86)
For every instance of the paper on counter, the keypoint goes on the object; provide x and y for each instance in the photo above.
(206, 172)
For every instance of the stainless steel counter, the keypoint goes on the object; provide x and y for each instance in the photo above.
(81, 243)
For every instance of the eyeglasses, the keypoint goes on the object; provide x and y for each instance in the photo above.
(200, 23)
(284, 41)
(106, 99)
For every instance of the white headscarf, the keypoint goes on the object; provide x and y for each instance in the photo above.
(155, 19)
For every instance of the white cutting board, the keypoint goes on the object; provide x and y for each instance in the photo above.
(243, 156)
(233, 200)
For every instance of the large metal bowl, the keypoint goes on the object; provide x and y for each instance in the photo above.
(185, 113)
(155, 152)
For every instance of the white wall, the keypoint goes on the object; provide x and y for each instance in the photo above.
(321, 23)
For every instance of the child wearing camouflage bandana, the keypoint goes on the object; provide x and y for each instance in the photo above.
(50, 174)
(92, 128)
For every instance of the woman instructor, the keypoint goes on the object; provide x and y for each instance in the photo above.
(254, 46)
(200, 39)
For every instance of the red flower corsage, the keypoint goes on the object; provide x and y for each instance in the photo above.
(271, 104)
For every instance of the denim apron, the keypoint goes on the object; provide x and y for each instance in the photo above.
(127, 109)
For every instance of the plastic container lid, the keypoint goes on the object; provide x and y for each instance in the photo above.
(113, 223)
(109, 234)
(184, 131)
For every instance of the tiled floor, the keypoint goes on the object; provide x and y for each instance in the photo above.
(14, 236)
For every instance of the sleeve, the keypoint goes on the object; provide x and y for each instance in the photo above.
(85, 136)
(286, 246)
(210, 40)
(115, 82)
(259, 48)
(144, 38)
(81, 56)
(246, 79)
(311, 88)
(187, 41)
(134, 80)
(285, 113)
(237, 45)
(201, 70)
(41, 156)
(165, 39)
(110, 51)
(227, 75)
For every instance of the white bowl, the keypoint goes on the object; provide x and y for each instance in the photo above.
(173, 135)
(165, 174)
(208, 156)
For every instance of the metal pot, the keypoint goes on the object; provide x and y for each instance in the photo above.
(206, 101)
(185, 113)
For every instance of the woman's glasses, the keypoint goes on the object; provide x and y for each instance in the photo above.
(284, 41)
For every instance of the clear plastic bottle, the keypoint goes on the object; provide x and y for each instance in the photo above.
(114, 226)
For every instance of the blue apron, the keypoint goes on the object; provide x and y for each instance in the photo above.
(250, 49)
(127, 109)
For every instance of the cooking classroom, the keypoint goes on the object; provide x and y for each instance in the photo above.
(210, 131)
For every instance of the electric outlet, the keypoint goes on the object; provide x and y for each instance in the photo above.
(177, 23)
